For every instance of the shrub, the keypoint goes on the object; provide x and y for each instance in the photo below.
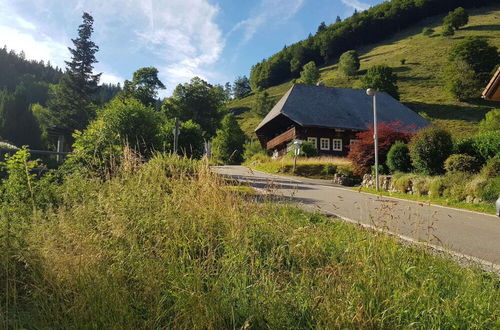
(227, 146)
(307, 149)
(252, 148)
(487, 144)
(403, 183)
(427, 31)
(402, 61)
(448, 30)
(362, 153)
(436, 187)
(429, 148)
(461, 163)
(421, 185)
(329, 169)
(491, 190)
(456, 18)
(491, 169)
(398, 158)
(491, 122)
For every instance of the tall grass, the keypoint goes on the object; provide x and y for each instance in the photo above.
(166, 245)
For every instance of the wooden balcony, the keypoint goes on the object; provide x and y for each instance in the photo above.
(282, 138)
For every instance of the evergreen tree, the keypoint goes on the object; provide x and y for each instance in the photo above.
(227, 146)
(381, 78)
(321, 27)
(349, 63)
(241, 87)
(71, 101)
(310, 74)
(338, 19)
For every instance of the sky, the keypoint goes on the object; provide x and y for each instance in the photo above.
(216, 40)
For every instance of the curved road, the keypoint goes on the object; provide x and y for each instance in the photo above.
(463, 233)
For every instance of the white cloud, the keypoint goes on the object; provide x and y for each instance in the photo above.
(269, 12)
(109, 78)
(356, 4)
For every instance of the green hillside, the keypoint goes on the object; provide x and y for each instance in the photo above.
(419, 79)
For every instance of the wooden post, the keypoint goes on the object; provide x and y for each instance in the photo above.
(176, 134)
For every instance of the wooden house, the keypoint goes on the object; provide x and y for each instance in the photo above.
(492, 91)
(328, 117)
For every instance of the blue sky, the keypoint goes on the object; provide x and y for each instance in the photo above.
(216, 40)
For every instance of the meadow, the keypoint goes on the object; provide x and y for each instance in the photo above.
(167, 244)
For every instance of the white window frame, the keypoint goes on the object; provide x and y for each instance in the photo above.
(333, 144)
(313, 140)
(327, 140)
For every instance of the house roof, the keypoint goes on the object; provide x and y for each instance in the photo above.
(492, 91)
(322, 106)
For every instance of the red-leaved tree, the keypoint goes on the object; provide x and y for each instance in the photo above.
(362, 153)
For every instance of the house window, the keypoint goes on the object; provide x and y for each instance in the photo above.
(353, 141)
(314, 141)
(337, 144)
(324, 144)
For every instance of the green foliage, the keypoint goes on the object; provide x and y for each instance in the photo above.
(478, 53)
(427, 31)
(198, 101)
(486, 145)
(491, 169)
(381, 78)
(491, 122)
(310, 74)
(144, 86)
(227, 146)
(349, 63)
(241, 87)
(448, 30)
(122, 122)
(398, 158)
(461, 80)
(307, 149)
(429, 148)
(71, 101)
(491, 190)
(263, 103)
(252, 148)
(456, 18)
(191, 141)
(461, 163)
(18, 125)
(329, 169)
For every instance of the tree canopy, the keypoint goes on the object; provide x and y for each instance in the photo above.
(241, 87)
(227, 146)
(456, 18)
(198, 101)
(381, 78)
(144, 86)
(349, 63)
(310, 74)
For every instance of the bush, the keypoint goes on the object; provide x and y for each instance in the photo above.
(329, 169)
(436, 187)
(427, 31)
(448, 30)
(487, 144)
(491, 122)
(491, 190)
(429, 148)
(461, 163)
(307, 149)
(349, 63)
(252, 148)
(403, 183)
(456, 18)
(398, 158)
(362, 153)
(227, 145)
(402, 61)
(491, 169)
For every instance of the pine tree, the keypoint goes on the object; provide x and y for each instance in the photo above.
(71, 102)
(228, 143)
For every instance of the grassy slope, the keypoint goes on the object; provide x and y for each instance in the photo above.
(419, 79)
(166, 245)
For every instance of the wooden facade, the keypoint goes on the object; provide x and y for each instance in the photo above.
(492, 91)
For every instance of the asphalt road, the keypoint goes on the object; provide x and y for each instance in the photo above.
(463, 233)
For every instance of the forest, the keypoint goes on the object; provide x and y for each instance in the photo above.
(362, 28)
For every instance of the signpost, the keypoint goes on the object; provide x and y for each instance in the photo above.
(296, 152)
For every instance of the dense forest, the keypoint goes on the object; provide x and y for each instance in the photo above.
(329, 42)
(26, 87)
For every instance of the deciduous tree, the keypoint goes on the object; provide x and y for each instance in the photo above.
(310, 74)
(382, 78)
(349, 63)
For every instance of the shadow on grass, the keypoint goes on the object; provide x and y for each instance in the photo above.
(490, 27)
(475, 112)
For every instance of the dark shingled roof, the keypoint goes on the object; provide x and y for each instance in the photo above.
(340, 108)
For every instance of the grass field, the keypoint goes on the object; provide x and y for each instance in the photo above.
(419, 79)
(167, 244)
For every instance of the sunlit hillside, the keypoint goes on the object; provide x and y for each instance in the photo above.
(420, 77)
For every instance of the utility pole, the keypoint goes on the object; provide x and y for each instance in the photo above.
(176, 134)
(373, 92)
